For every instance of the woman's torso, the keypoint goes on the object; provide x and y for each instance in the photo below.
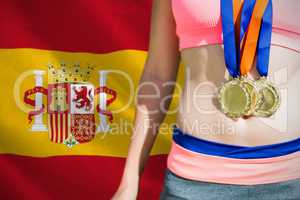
(205, 71)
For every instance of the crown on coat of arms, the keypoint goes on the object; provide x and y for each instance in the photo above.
(64, 73)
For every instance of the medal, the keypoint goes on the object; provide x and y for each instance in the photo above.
(267, 91)
(253, 14)
(255, 95)
(234, 97)
(240, 96)
(271, 98)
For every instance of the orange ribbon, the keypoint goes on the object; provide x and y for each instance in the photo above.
(249, 44)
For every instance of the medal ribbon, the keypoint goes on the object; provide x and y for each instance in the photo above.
(252, 35)
(230, 12)
(264, 40)
(254, 29)
(246, 16)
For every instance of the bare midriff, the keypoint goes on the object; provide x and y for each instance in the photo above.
(201, 117)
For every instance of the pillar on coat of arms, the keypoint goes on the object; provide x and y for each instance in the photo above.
(38, 124)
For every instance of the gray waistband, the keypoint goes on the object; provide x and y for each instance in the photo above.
(176, 187)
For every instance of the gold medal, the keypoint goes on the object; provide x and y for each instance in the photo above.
(240, 96)
(234, 98)
(255, 96)
(270, 98)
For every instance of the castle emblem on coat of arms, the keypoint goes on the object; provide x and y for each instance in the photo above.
(71, 104)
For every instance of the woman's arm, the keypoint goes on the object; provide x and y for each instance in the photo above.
(161, 66)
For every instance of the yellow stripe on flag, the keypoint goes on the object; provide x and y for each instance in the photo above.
(18, 64)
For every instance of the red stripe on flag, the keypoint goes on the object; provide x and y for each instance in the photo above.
(56, 127)
(66, 126)
(73, 177)
(83, 25)
(51, 127)
(61, 127)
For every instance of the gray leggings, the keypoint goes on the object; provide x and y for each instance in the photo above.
(177, 188)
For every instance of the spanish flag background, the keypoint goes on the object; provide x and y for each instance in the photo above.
(110, 34)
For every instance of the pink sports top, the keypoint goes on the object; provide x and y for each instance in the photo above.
(198, 22)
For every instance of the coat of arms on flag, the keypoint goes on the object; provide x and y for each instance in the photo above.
(70, 104)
